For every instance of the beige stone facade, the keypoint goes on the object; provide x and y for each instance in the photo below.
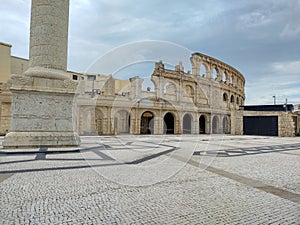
(5, 62)
(181, 102)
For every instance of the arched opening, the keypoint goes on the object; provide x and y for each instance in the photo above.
(169, 88)
(99, 122)
(202, 125)
(170, 91)
(231, 80)
(226, 125)
(187, 124)
(215, 125)
(169, 123)
(215, 74)
(203, 70)
(189, 90)
(122, 122)
(237, 101)
(147, 123)
(232, 99)
(224, 77)
(225, 97)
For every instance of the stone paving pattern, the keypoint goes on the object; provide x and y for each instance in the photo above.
(54, 188)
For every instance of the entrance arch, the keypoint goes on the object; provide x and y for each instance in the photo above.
(225, 125)
(147, 123)
(187, 124)
(122, 122)
(99, 122)
(169, 123)
(215, 125)
(202, 125)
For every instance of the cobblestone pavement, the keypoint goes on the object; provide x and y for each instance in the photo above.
(188, 179)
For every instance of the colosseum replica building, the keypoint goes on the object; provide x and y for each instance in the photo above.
(201, 102)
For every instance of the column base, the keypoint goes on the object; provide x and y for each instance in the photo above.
(41, 139)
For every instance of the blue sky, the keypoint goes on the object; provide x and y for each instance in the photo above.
(259, 38)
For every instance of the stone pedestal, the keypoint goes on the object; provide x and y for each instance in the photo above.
(42, 113)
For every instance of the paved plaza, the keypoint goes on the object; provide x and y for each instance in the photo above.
(160, 179)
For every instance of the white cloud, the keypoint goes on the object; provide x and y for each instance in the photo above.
(254, 19)
(281, 80)
(291, 30)
(292, 67)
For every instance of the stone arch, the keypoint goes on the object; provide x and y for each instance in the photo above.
(204, 69)
(99, 121)
(169, 123)
(226, 125)
(215, 73)
(155, 82)
(225, 97)
(224, 77)
(215, 124)
(147, 123)
(202, 124)
(148, 84)
(237, 100)
(231, 80)
(232, 99)
(189, 90)
(187, 124)
(122, 121)
(169, 87)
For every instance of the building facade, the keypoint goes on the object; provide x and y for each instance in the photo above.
(206, 100)
(181, 102)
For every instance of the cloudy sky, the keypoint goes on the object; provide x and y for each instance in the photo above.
(259, 38)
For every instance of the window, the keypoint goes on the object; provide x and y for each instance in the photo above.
(91, 77)
(232, 99)
(225, 97)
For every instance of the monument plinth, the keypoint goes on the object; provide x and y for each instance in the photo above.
(43, 97)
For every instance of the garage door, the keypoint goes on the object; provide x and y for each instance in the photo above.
(261, 125)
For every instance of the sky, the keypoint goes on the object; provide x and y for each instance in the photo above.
(259, 38)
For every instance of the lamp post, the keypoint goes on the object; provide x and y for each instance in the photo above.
(98, 91)
(274, 96)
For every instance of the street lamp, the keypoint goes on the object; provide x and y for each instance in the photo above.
(97, 91)
(274, 96)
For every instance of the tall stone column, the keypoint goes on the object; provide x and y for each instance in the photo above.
(43, 97)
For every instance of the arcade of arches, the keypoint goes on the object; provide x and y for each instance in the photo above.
(170, 123)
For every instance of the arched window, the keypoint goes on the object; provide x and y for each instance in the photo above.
(224, 77)
(190, 90)
(232, 99)
(225, 97)
(231, 80)
(169, 88)
(214, 74)
(203, 70)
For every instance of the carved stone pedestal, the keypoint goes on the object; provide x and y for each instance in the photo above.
(42, 111)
